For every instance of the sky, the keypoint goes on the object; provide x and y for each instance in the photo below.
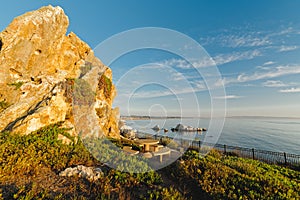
(254, 45)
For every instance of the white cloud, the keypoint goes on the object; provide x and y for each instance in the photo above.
(229, 97)
(177, 76)
(291, 90)
(180, 63)
(272, 73)
(198, 85)
(247, 39)
(268, 63)
(263, 67)
(262, 74)
(159, 93)
(221, 82)
(217, 60)
(228, 58)
(285, 31)
(244, 41)
(287, 48)
(240, 37)
(272, 83)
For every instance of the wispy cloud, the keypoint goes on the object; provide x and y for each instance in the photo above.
(217, 60)
(242, 37)
(177, 76)
(183, 64)
(249, 39)
(273, 83)
(229, 97)
(285, 31)
(272, 73)
(198, 85)
(268, 73)
(159, 93)
(291, 90)
(244, 41)
(268, 63)
(287, 48)
(235, 56)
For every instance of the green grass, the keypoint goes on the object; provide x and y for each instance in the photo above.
(227, 177)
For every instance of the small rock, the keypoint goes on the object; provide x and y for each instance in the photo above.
(89, 173)
(156, 128)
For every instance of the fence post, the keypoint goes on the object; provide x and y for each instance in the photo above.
(253, 157)
(181, 142)
(285, 161)
(224, 148)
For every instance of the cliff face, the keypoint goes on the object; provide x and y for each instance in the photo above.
(47, 77)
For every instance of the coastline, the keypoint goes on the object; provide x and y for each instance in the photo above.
(137, 117)
(141, 117)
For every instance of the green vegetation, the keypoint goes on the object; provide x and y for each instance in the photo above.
(163, 193)
(30, 164)
(83, 93)
(17, 85)
(105, 84)
(226, 177)
(111, 153)
(3, 105)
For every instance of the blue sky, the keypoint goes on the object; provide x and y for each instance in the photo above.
(255, 45)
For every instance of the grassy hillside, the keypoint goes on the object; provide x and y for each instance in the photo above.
(228, 177)
(29, 168)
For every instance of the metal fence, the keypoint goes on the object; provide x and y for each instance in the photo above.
(271, 157)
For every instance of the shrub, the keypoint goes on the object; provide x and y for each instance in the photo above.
(164, 194)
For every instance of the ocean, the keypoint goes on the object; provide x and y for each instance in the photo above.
(263, 133)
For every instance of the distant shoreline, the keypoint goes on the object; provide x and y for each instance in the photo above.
(149, 117)
(137, 117)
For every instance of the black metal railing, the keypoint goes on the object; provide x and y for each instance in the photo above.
(279, 158)
(271, 157)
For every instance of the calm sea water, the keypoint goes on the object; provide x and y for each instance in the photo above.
(274, 134)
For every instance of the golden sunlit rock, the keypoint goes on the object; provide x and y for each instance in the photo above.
(39, 65)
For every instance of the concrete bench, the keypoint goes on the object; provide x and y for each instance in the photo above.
(156, 147)
(161, 152)
(129, 151)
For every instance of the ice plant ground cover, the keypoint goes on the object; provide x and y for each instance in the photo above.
(30, 166)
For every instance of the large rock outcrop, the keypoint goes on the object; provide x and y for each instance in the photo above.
(47, 77)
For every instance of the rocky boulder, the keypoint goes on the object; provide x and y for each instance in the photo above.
(89, 173)
(47, 77)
